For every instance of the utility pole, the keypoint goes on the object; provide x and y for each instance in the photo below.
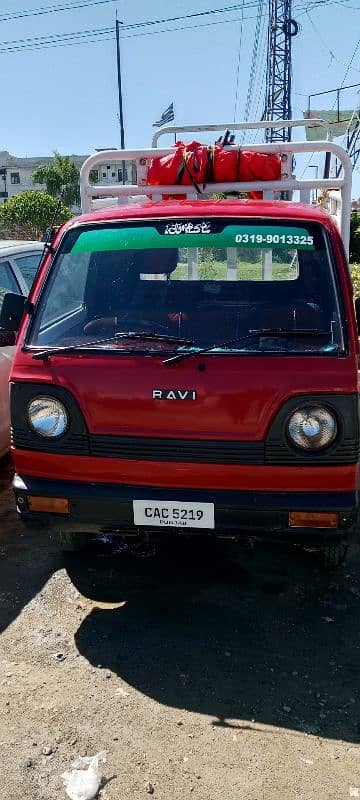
(282, 28)
(352, 136)
(352, 131)
(121, 116)
(352, 143)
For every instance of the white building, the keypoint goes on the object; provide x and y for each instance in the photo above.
(15, 172)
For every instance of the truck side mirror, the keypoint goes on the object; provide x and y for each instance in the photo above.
(357, 313)
(11, 310)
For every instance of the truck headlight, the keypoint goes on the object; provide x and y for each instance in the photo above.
(48, 417)
(312, 427)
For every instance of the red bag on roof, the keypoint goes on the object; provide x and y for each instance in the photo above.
(242, 165)
(187, 165)
(197, 164)
(226, 164)
(164, 171)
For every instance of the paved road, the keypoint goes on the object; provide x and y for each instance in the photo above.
(222, 673)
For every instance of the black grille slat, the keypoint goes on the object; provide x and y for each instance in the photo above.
(74, 444)
(145, 449)
(184, 450)
(279, 453)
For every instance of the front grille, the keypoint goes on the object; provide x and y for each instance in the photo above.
(181, 450)
(136, 448)
(280, 453)
(76, 444)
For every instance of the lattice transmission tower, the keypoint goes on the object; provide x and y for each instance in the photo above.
(282, 29)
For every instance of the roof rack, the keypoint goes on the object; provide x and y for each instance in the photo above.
(245, 126)
(288, 182)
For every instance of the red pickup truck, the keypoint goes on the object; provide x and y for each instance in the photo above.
(189, 367)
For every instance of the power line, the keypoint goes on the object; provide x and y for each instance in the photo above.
(258, 94)
(350, 63)
(93, 35)
(238, 63)
(53, 37)
(320, 37)
(261, 98)
(254, 60)
(322, 3)
(9, 16)
(223, 10)
(13, 15)
(340, 87)
(324, 43)
(57, 40)
(131, 26)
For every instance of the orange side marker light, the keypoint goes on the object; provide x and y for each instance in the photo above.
(51, 505)
(310, 519)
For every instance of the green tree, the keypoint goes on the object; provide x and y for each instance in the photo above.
(27, 215)
(355, 277)
(61, 178)
(355, 238)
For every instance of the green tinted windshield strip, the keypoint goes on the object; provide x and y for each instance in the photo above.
(275, 237)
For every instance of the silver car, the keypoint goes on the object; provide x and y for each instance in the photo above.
(18, 265)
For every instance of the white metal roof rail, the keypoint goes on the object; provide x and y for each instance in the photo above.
(245, 126)
(287, 183)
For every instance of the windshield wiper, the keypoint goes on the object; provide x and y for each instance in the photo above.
(254, 334)
(160, 337)
(76, 348)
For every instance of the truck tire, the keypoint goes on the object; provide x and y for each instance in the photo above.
(71, 542)
(335, 554)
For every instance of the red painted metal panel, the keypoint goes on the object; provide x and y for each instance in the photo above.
(191, 476)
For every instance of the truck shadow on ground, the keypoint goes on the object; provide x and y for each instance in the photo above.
(268, 636)
(27, 558)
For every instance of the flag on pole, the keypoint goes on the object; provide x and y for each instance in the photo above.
(167, 116)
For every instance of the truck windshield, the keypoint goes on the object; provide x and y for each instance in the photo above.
(199, 280)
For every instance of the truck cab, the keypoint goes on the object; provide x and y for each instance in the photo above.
(190, 367)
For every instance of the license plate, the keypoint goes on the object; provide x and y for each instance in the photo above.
(174, 514)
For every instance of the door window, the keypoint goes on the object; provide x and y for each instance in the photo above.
(8, 282)
(28, 266)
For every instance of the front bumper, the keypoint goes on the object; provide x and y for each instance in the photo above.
(107, 508)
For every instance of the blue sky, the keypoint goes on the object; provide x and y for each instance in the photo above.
(65, 98)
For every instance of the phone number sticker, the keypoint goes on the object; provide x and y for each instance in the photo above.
(274, 239)
(191, 234)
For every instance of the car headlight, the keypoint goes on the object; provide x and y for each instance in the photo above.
(48, 417)
(312, 427)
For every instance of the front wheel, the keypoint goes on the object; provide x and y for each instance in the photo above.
(334, 554)
(71, 542)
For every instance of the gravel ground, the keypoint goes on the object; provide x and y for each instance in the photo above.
(207, 672)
